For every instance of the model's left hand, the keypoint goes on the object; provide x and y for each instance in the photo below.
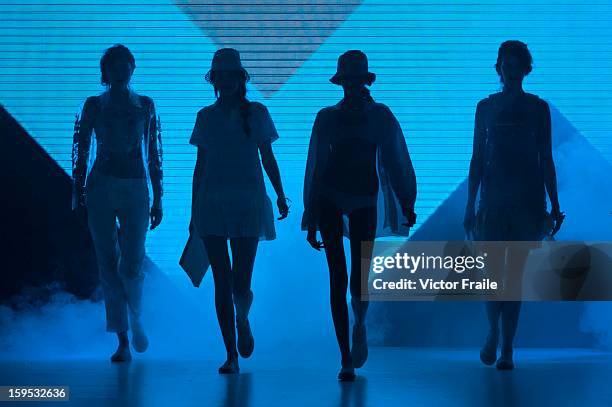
(283, 207)
(156, 216)
(558, 218)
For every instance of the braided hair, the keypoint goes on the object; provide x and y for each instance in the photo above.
(243, 101)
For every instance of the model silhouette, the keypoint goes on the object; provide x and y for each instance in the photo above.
(354, 145)
(512, 164)
(229, 195)
(127, 148)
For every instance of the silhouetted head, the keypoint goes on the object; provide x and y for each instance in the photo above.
(513, 62)
(229, 78)
(226, 74)
(117, 65)
(352, 72)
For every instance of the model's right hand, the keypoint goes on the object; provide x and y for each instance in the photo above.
(312, 239)
(283, 207)
(409, 214)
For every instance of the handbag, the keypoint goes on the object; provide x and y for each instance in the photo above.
(194, 259)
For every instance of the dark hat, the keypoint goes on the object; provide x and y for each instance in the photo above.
(353, 63)
(226, 59)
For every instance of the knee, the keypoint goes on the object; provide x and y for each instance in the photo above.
(338, 282)
(355, 287)
(131, 266)
(241, 289)
(107, 265)
(223, 284)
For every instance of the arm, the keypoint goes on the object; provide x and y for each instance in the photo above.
(266, 134)
(476, 166)
(155, 157)
(310, 217)
(271, 167)
(547, 164)
(81, 144)
(197, 174)
(398, 165)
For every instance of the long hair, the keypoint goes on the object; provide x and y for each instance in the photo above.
(243, 101)
(366, 94)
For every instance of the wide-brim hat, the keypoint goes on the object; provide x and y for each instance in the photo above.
(226, 59)
(353, 63)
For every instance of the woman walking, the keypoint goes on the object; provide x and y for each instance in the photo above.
(229, 195)
(127, 155)
(354, 145)
(513, 166)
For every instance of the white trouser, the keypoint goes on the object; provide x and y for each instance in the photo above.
(119, 255)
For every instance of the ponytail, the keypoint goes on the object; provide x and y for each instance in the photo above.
(366, 94)
(244, 110)
(244, 104)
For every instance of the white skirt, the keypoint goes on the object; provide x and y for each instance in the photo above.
(234, 213)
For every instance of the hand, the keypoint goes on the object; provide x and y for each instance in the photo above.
(469, 220)
(558, 218)
(283, 208)
(409, 214)
(156, 216)
(312, 239)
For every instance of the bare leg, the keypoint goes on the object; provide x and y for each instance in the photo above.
(216, 248)
(362, 228)
(488, 353)
(244, 250)
(510, 311)
(330, 220)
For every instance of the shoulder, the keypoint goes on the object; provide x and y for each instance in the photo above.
(383, 113)
(91, 101)
(537, 102)
(204, 111)
(328, 111)
(488, 101)
(146, 101)
(382, 108)
(259, 111)
(90, 106)
(257, 107)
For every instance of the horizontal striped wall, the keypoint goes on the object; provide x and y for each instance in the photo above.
(433, 60)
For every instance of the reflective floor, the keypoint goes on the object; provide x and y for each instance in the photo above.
(392, 376)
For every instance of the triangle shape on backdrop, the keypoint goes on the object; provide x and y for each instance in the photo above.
(274, 39)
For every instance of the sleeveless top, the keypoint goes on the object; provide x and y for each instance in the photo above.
(351, 167)
(514, 137)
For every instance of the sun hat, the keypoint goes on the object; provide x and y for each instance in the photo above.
(226, 59)
(352, 63)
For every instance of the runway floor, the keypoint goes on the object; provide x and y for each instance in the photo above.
(392, 376)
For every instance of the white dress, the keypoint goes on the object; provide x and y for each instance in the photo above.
(231, 199)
